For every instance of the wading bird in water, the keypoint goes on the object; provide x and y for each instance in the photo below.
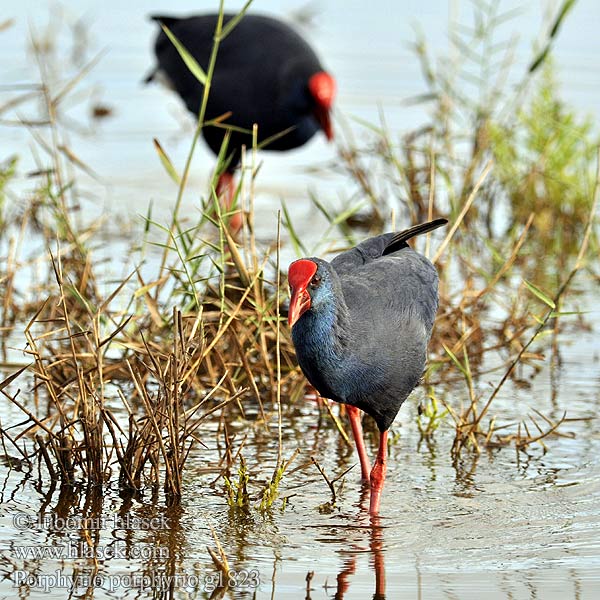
(264, 74)
(360, 326)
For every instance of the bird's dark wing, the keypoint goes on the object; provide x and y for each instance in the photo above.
(362, 253)
(393, 288)
(261, 77)
(381, 245)
(391, 304)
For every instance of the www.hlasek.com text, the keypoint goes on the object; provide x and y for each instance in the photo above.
(74, 550)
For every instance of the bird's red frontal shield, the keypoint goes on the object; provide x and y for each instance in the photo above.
(299, 276)
(322, 88)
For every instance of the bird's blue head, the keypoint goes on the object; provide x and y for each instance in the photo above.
(312, 287)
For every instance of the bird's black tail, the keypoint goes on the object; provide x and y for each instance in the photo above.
(399, 240)
(165, 20)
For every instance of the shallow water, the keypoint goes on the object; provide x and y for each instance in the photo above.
(496, 525)
(503, 525)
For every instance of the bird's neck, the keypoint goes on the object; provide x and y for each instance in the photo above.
(320, 336)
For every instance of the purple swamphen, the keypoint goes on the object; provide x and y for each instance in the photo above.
(265, 73)
(360, 326)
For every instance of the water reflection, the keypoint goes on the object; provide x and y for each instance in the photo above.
(371, 531)
(79, 543)
(376, 545)
(465, 469)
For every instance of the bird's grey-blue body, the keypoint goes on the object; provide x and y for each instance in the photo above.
(364, 339)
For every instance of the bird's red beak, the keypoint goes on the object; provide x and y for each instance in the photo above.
(299, 304)
(322, 88)
(299, 276)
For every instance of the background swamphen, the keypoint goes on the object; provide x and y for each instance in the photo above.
(360, 326)
(265, 73)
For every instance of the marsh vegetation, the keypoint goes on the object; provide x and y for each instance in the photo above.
(168, 373)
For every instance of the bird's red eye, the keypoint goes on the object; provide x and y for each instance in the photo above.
(315, 281)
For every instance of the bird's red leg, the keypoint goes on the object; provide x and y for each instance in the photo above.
(354, 416)
(226, 195)
(378, 474)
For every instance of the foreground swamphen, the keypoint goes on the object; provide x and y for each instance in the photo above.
(265, 73)
(360, 326)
